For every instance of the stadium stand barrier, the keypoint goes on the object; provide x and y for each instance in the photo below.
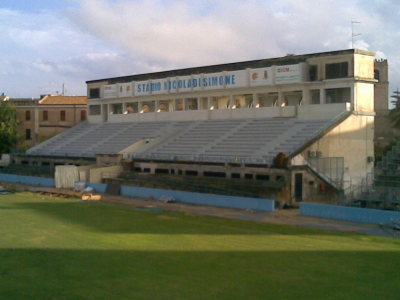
(30, 180)
(267, 205)
(352, 214)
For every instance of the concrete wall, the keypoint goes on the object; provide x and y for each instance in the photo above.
(352, 214)
(31, 180)
(322, 111)
(197, 115)
(384, 132)
(84, 172)
(356, 132)
(364, 66)
(96, 174)
(193, 198)
(363, 97)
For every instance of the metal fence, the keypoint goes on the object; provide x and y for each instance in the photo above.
(229, 187)
(373, 196)
(331, 169)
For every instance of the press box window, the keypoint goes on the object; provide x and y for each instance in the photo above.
(94, 110)
(337, 70)
(313, 73)
(94, 93)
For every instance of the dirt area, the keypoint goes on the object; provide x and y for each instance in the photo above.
(290, 217)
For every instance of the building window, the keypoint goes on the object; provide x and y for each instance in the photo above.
(262, 177)
(45, 115)
(337, 70)
(341, 95)
(94, 110)
(62, 115)
(248, 176)
(116, 109)
(313, 73)
(315, 97)
(376, 74)
(28, 134)
(27, 115)
(94, 93)
(83, 115)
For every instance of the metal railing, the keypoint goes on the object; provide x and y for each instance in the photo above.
(29, 170)
(330, 169)
(231, 187)
(372, 196)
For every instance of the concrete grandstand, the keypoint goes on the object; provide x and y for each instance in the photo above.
(232, 121)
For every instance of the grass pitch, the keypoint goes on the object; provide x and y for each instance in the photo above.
(68, 249)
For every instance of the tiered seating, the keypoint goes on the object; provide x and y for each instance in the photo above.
(58, 142)
(128, 135)
(196, 137)
(300, 133)
(209, 140)
(384, 189)
(250, 137)
(387, 171)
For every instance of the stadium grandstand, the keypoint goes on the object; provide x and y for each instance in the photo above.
(381, 188)
(294, 128)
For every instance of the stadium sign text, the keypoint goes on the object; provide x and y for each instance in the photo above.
(211, 81)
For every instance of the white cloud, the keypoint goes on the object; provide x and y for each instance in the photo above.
(101, 38)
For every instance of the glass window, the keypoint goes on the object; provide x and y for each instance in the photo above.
(116, 109)
(62, 115)
(27, 115)
(94, 110)
(313, 73)
(376, 74)
(28, 134)
(132, 108)
(337, 70)
(94, 93)
(45, 115)
(341, 95)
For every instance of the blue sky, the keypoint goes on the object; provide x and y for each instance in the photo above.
(46, 43)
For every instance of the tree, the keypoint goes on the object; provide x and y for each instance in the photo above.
(8, 127)
(394, 114)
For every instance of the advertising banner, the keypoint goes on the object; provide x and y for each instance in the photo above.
(287, 74)
(262, 76)
(110, 91)
(125, 89)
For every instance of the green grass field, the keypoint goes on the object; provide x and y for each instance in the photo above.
(68, 249)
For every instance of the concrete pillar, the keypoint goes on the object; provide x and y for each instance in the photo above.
(322, 96)
(231, 101)
(281, 98)
(255, 100)
(306, 96)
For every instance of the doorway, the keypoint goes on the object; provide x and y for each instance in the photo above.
(298, 187)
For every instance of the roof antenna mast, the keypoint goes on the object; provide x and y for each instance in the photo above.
(353, 34)
(63, 88)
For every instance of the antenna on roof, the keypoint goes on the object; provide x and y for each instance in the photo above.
(63, 89)
(353, 34)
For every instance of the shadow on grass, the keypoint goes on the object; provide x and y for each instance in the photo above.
(112, 218)
(71, 274)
